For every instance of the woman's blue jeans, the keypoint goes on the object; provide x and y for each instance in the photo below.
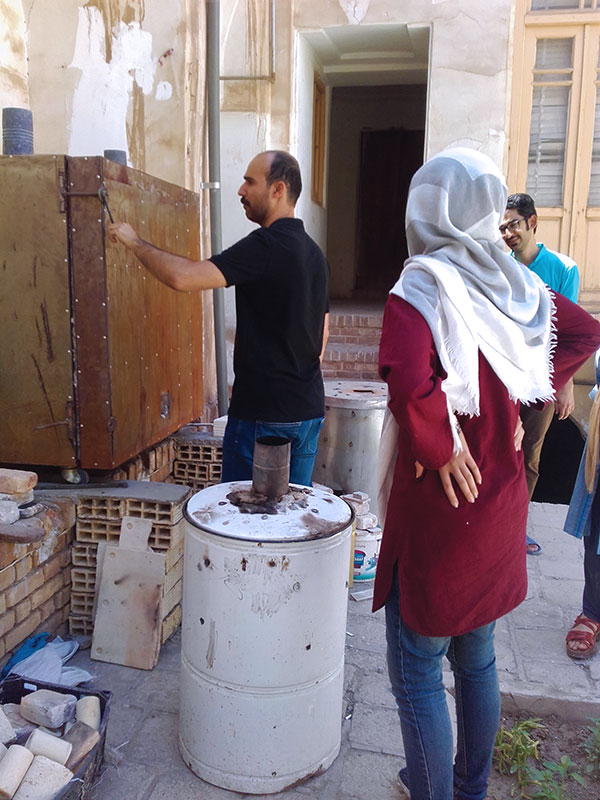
(238, 447)
(415, 669)
(591, 563)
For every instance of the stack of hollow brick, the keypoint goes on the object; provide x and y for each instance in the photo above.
(198, 458)
(35, 581)
(99, 520)
(153, 464)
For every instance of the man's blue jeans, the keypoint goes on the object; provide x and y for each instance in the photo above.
(591, 563)
(415, 669)
(238, 447)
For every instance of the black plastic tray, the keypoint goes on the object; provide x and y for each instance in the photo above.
(13, 688)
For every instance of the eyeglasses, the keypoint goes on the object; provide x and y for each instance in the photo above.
(512, 226)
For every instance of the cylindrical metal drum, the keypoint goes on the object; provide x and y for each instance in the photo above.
(120, 156)
(17, 131)
(264, 624)
(349, 440)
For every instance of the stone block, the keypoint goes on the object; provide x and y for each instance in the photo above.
(9, 512)
(48, 708)
(7, 732)
(17, 481)
(82, 738)
(21, 726)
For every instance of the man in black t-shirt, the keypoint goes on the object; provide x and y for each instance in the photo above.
(281, 279)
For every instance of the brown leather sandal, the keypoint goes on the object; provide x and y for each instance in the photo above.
(588, 637)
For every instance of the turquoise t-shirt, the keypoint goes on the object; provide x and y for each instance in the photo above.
(558, 271)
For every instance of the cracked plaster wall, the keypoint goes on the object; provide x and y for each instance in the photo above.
(109, 74)
(125, 74)
(14, 89)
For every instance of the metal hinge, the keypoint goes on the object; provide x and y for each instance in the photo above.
(60, 180)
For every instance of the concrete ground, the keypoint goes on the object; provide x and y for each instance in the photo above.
(143, 762)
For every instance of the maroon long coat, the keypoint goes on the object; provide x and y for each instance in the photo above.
(458, 568)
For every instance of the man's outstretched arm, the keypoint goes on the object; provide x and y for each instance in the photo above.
(178, 272)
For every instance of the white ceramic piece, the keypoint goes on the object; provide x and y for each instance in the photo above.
(13, 767)
(88, 711)
(43, 744)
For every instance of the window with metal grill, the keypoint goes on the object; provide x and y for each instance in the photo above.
(318, 142)
(594, 194)
(552, 82)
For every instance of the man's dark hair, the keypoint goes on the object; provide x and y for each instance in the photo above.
(523, 203)
(284, 167)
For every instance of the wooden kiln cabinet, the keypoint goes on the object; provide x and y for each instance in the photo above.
(99, 360)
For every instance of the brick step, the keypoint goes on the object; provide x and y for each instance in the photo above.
(340, 319)
(351, 361)
(344, 337)
(351, 353)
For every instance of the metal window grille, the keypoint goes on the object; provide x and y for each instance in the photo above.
(552, 82)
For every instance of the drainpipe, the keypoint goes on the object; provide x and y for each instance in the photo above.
(214, 186)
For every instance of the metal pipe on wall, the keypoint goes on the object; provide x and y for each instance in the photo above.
(214, 177)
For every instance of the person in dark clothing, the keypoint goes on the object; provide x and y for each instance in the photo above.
(281, 279)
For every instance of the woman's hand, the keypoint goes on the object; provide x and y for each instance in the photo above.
(464, 470)
(519, 434)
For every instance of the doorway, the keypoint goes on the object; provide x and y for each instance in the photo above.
(376, 143)
(388, 160)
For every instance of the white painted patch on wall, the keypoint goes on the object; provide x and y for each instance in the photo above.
(164, 90)
(102, 96)
(355, 10)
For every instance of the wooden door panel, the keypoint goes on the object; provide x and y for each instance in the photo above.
(155, 333)
(35, 312)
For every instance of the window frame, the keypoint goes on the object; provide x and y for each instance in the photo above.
(317, 182)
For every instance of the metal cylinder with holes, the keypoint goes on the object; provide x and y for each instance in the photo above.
(349, 439)
(264, 623)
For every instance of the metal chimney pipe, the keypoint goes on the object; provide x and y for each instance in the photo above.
(271, 466)
(17, 132)
(120, 156)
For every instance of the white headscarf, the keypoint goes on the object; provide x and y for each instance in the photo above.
(473, 295)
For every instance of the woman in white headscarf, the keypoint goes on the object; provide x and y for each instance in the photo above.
(467, 334)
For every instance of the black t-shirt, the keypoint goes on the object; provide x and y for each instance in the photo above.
(281, 283)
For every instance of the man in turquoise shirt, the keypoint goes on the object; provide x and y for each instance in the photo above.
(560, 273)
